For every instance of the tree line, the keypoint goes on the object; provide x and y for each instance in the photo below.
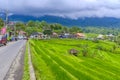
(37, 26)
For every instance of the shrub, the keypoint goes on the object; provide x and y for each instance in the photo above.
(96, 40)
(85, 50)
(73, 52)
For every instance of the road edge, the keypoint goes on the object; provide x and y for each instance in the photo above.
(31, 69)
(16, 70)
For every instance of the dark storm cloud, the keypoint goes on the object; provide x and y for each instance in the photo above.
(65, 8)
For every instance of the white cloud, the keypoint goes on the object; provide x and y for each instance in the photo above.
(65, 8)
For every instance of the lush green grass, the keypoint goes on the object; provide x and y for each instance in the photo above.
(91, 35)
(52, 61)
(26, 75)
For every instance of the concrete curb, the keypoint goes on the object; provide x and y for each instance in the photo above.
(31, 69)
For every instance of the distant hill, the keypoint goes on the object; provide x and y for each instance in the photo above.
(94, 21)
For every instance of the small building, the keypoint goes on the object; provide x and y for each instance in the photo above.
(38, 35)
(54, 35)
(22, 33)
(80, 35)
(67, 35)
(64, 35)
(110, 37)
(100, 36)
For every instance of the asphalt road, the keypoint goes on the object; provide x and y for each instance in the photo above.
(7, 55)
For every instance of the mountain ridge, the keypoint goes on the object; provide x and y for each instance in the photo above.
(93, 21)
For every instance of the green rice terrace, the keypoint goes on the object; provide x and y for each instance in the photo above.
(53, 59)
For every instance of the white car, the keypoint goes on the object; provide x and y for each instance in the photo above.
(20, 37)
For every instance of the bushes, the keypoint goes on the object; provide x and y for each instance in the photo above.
(117, 51)
(103, 47)
(73, 52)
(85, 50)
(95, 40)
(99, 47)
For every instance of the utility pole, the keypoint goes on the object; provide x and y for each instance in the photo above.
(6, 21)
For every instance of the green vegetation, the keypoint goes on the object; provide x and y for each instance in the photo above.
(95, 61)
(26, 75)
(36, 26)
(91, 35)
(1, 23)
(101, 30)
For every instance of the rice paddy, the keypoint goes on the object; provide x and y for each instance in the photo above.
(52, 61)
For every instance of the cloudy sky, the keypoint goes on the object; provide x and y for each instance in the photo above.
(64, 8)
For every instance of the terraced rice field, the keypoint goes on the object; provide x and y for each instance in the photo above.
(52, 61)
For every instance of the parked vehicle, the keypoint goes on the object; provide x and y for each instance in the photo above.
(16, 38)
(3, 40)
(20, 37)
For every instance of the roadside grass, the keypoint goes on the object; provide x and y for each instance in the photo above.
(52, 61)
(26, 75)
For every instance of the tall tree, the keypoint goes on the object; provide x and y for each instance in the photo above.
(75, 29)
(20, 26)
(118, 39)
(31, 24)
(47, 32)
